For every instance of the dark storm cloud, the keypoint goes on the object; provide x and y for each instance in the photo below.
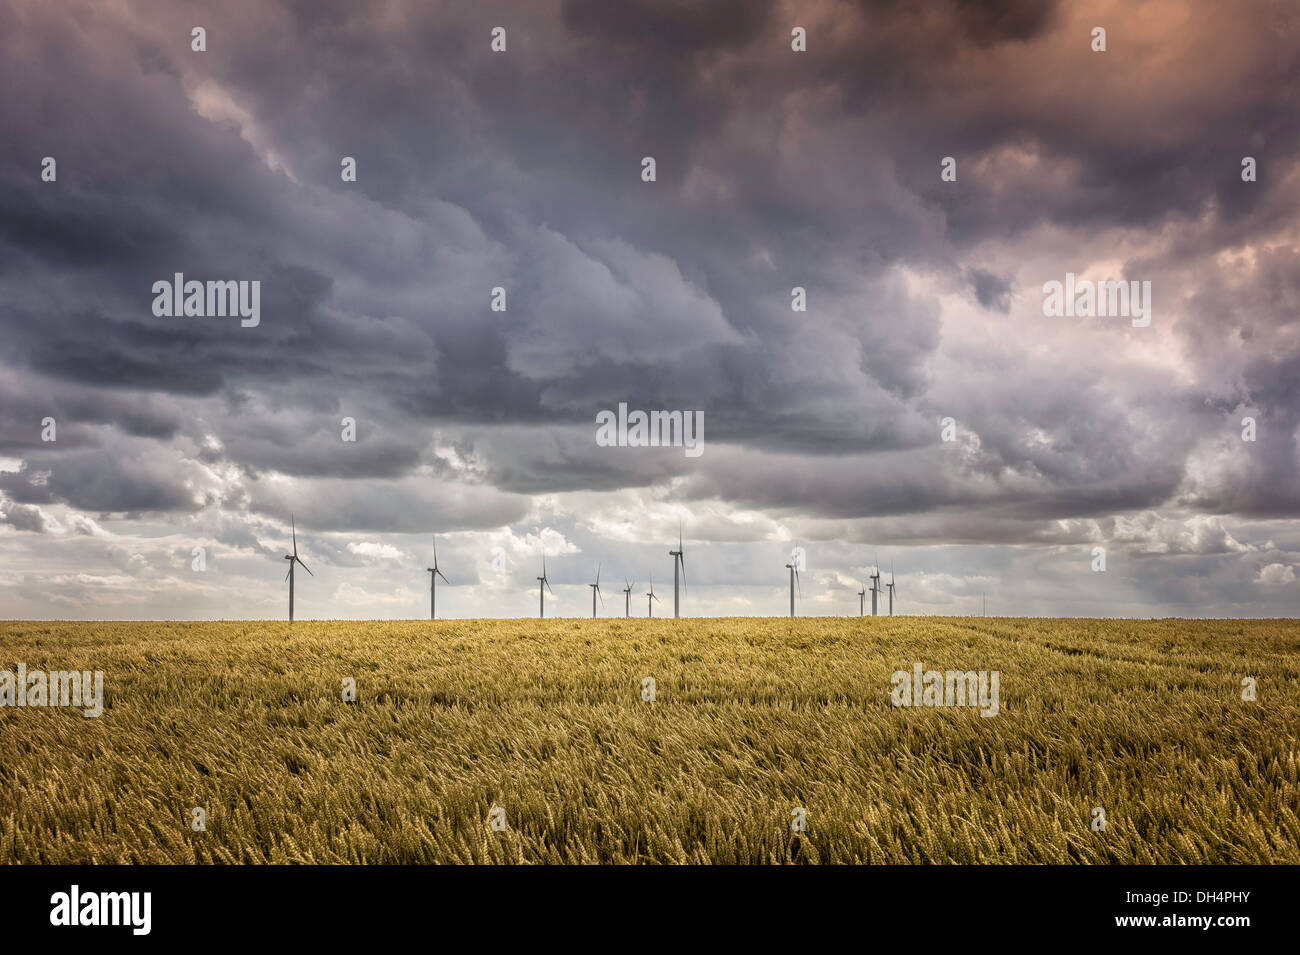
(317, 449)
(26, 486)
(336, 505)
(126, 479)
(77, 410)
(776, 170)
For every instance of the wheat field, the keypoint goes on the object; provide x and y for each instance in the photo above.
(752, 718)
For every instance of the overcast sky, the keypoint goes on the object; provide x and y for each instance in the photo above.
(522, 170)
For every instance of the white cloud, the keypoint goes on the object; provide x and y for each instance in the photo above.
(1277, 574)
(376, 551)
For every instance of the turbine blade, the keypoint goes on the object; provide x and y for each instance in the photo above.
(294, 531)
(288, 572)
(442, 575)
(597, 574)
(797, 582)
(304, 566)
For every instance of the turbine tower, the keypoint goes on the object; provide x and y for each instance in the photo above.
(293, 559)
(678, 560)
(434, 574)
(650, 597)
(543, 585)
(890, 585)
(794, 578)
(875, 588)
(595, 590)
(862, 601)
(627, 597)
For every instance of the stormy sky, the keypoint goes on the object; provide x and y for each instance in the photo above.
(774, 169)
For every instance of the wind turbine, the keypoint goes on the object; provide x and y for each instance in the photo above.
(649, 607)
(627, 598)
(595, 590)
(794, 578)
(293, 559)
(862, 602)
(434, 574)
(890, 585)
(678, 559)
(875, 588)
(543, 585)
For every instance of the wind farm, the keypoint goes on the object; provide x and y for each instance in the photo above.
(794, 567)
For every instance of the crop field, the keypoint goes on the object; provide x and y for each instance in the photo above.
(533, 741)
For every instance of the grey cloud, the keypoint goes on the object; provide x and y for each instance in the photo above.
(25, 517)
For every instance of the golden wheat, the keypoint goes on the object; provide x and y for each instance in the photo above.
(752, 718)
